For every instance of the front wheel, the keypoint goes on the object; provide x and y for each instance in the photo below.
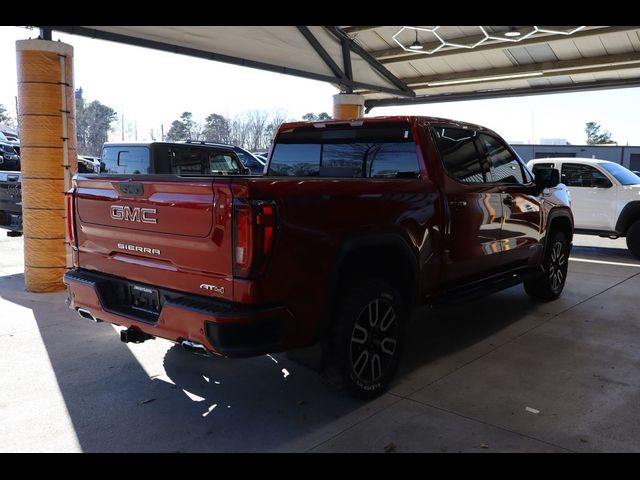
(633, 239)
(369, 337)
(550, 283)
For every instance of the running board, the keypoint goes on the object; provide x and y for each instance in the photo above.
(482, 288)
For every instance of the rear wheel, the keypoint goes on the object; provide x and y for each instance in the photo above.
(633, 239)
(550, 283)
(369, 337)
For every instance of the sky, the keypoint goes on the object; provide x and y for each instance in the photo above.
(150, 88)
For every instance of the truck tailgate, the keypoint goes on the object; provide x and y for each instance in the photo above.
(161, 230)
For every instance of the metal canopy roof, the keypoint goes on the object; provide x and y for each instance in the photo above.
(456, 62)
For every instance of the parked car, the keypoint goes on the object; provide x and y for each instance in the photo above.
(11, 203)
(605, 197)
(353, 225)
(180, 158)
(88, 164)
(11, 194)
(9, 158)
(11, 137)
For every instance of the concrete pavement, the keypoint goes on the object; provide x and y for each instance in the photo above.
(502, 374)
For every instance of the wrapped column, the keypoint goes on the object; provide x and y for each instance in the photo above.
(347, 106)
(46, 109)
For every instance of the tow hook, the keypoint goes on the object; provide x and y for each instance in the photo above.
(131, 335)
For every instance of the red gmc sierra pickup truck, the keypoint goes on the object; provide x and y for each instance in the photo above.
(353, 225)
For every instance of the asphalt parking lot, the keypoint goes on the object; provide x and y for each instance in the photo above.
(502, 374)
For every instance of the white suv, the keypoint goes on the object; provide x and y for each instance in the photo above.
(605, 197)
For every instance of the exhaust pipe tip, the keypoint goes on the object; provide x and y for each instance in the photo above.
(84, 313)
(134, 336)
(195, 347)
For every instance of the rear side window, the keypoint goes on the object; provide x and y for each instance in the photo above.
(459, 154)
(131, 160)
(222, 163)
(370, 152)
(505, 167)
(577, 175)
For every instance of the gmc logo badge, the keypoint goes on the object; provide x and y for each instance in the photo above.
(136, 214)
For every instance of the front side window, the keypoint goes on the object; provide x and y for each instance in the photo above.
(505, 167)
(578, 175)
(194, 161)
(247, 159)
(130, 160)
(622, 174)
(459, 154)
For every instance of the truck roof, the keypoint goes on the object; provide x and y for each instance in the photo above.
(166, 142)
(384, 119)
(588, 161)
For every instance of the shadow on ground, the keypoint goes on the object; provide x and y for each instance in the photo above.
(115, 405)
(435, 333)
(164, 399)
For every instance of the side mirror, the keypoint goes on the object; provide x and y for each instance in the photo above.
(546, 177)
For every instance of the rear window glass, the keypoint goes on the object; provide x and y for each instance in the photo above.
(131, 160)
(371, 152)
(295, 160)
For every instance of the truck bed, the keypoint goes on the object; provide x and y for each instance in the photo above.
(182, 234)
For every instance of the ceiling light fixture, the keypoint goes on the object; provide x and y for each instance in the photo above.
(512, 32)
(513, 35)
(416, 45)
(483, 79)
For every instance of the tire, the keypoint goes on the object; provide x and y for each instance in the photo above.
(550, 283)
(369, 337)
(633, 239)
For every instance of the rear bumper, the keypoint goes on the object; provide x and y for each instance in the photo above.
(224, 328)
(8, 160)
(11, 220)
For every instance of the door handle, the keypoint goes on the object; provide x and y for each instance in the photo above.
(458, 203)
(508, 201)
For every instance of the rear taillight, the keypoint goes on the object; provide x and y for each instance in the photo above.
(69, 212)
(254, 229)
(242, 247)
